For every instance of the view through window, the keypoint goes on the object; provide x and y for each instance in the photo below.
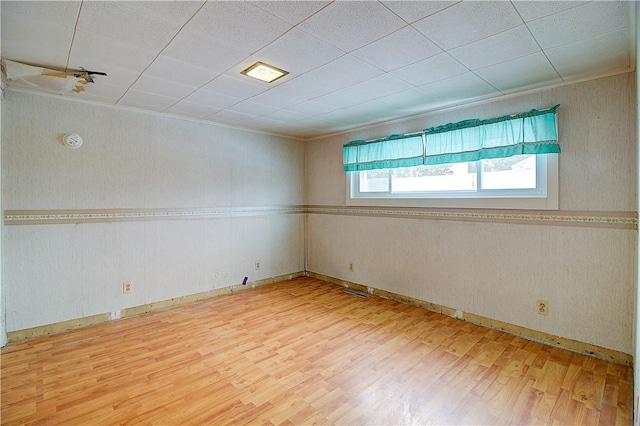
(511, 173)
(515, 177)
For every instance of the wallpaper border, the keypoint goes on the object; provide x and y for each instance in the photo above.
(48, 217)
(598, 219)
(610, 219)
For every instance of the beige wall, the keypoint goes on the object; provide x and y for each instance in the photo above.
(162, 172)
(636, 340)
(494, 267)
(3, 324)
(153, 166)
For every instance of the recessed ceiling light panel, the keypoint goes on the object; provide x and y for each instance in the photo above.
(264, 72)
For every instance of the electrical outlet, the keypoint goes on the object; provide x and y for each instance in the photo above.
(257, 265)
(543, 307)
(127, 287)
(351, 268)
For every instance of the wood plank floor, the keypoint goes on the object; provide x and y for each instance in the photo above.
(304, 352)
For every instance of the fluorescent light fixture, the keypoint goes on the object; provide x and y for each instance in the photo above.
(264, 72)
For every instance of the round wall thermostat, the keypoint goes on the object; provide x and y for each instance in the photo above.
(72, 140)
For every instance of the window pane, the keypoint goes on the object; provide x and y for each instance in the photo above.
(441, 178)
(517, 172)
(374, 181)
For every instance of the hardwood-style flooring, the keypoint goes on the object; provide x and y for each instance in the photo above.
(304, 352)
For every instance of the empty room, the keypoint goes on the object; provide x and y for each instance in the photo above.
(319, 212)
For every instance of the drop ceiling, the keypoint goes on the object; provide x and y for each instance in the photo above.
(350, 63)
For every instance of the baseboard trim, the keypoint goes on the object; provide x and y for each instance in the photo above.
(516, 330)
(59, 327)
(526, 333)
(164, 304)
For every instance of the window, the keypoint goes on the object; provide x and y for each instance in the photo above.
(521, 181)
(505, 162)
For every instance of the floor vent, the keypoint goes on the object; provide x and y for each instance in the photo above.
(357, 293)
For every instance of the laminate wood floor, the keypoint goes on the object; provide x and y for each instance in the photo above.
(304, 352)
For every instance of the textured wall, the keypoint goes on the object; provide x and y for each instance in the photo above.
(491, 267)
(148, 165)
(3, 323)
(136, 161)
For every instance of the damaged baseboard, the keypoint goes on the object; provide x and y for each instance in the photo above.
(59, 327)
(526, 333)
(605, 354)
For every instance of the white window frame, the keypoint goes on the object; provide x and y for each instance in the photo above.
(544, 198)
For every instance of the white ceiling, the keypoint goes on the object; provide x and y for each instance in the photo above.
(351, 63)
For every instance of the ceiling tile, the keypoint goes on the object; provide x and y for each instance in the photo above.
(377, 87)
(101, 18)
(580, 22)
(200, 52)
(432, 69)
(172, 69)
(367, 112)
(231, 117)
(292, 12)
(531, 10)
(350, 25)
(342, 98)
(269, 123)
(394, 70)
(524, 72)
(345, 117)
(217, 100)
(316, 122)
(235, 23)
(311, 108)
(192, 109)
(465, 86)
(606, 52)
(34, 41)
(403, 47)
(169, 11)
(116, 76)
(252, 108)
(466, 22)
(285, 116)
(277, 99)
(61, 13)
(432, 104)
(346, 70)
(162, 87)
(103, 92)
(412, 11)
(492, 50)
(99, 53)
(235, 87)
(21, 51)
(342, 72)
(308, 86)
(297, 52)
(136, 98)
(414, 97)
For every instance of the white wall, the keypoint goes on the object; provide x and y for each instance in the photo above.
(147, 164)
(490, 267)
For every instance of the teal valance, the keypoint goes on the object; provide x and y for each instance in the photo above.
(386, 153)
(532, 132)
